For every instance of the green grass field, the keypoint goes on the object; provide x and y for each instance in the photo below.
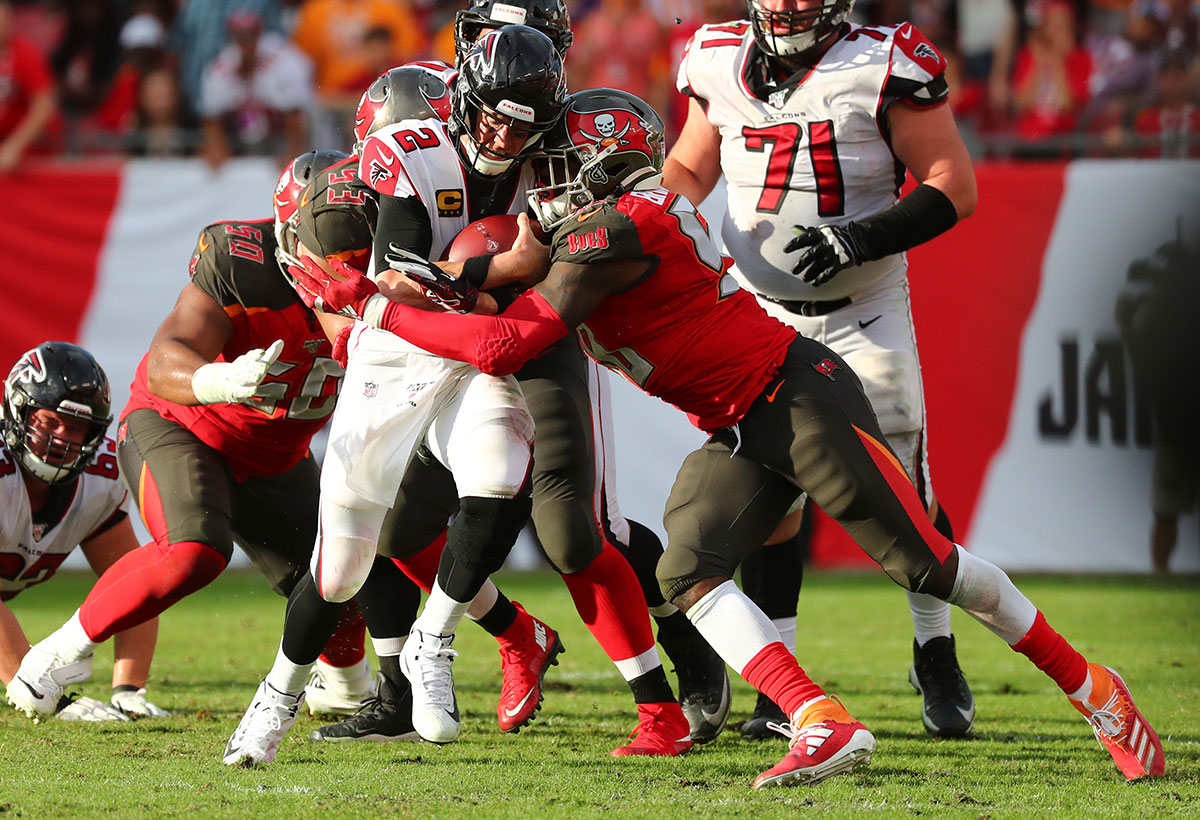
(1033, 755)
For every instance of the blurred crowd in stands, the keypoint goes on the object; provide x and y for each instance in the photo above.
(222, 78)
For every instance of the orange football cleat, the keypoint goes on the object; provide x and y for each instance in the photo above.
(662, 732)
(824, 741)
(1119, 726)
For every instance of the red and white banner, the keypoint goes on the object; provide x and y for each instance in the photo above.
(1036, 447)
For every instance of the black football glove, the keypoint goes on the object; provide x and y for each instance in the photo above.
(825, 250)
(454, 294)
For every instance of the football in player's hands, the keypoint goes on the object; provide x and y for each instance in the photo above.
(490, 235)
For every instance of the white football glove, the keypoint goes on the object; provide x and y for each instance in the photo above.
(90, 710)
(133, 702)
(236, 381)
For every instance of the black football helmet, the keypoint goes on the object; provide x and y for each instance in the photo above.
(297, 176)
(67, 380)
(608, 142)
(515, 76)
(550, 17)
(792, 34)
(405, 93)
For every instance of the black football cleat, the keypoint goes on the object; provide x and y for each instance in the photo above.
(704, 690)
(765, 711)
(386, 717)
(949, 708)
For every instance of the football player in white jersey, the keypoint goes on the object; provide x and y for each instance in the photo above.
(59, 489)
(814, 122)
(395, 396)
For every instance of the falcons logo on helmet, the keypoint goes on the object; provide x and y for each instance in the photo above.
(29, 368)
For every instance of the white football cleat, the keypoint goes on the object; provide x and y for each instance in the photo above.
(256, 739)
(339, 691)
(90, 710)
(38, 685)
(425, 660)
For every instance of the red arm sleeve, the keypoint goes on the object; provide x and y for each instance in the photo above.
(498, 345)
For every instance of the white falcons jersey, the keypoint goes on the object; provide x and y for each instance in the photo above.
(418, 158)
(815, 152)
(29, 553)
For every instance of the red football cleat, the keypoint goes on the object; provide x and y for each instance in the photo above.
(527, 649)
(662, 731)
(827, 742)
(1120, 727)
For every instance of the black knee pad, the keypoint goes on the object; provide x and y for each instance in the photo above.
(479, 541)
(568, 534)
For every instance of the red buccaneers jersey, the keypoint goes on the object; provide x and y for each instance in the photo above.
(686, 333)
(234, 263)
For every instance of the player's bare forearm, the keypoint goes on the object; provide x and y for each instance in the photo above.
(133, 651)
(13, 644)
(694, 164)
(133, 648)
(575, 291)
(192, 335)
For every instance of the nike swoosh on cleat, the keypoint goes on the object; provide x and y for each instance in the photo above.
(513, 711)
(38, 695)
(863, 325)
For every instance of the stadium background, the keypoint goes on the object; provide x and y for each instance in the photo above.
(1036, 479)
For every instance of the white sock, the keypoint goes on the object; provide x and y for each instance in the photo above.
(787, 632)
(345, 678)
(385, 647)
(286, 676)
(483, 601)
(441, 613)
(733, 625)
(930, 616)
(631, 668)
(70, 642)
(989, 596)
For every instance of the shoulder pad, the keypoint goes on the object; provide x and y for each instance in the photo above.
(601, 233)
(914, 57)
(338, 210)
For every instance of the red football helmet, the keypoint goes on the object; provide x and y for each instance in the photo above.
(408, 92)
(608, 142)
(295, 178)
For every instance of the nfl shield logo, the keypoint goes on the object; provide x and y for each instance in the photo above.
(38, 531)
(370, 389)
(777, 98)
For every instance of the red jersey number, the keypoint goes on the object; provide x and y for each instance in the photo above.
(782, 141)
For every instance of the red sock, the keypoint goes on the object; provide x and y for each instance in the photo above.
(609, 600)
(144, 582)
(1051, 653)
(346, 646)
(422, 568)
(775, 673)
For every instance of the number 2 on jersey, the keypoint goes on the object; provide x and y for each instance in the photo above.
(781, 141)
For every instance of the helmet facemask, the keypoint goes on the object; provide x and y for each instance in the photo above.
(791, 34)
